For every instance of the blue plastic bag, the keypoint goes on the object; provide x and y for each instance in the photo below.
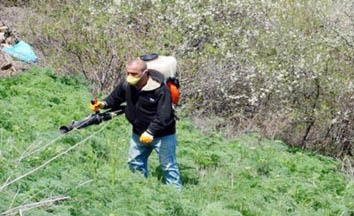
(22, 51)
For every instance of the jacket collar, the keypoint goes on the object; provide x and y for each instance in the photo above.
(151, 84)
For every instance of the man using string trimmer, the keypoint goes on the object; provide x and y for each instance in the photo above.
(150, 110)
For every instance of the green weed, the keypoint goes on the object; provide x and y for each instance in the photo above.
(247, 176)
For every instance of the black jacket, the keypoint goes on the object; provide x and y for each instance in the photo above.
(146, 110)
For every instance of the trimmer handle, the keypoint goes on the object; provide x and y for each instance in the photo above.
(93, 102)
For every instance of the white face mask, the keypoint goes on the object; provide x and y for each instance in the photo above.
(132, 80)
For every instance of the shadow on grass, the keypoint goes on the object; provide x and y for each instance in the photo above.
(188, 174)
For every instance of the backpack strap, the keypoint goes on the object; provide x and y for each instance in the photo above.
(174, 81)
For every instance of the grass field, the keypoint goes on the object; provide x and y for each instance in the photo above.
(246, 176)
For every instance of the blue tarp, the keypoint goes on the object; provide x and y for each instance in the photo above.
(22, 51)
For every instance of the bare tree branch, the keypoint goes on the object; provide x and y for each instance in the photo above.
(26, 207)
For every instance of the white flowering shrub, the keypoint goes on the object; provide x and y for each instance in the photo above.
(11, 3)
(282, 67)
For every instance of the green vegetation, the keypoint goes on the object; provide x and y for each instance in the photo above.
(247, 176)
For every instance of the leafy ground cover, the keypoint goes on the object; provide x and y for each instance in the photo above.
(246, 176)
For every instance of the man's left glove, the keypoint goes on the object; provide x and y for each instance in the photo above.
(146, 138)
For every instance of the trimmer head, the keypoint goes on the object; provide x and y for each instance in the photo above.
(64, 129)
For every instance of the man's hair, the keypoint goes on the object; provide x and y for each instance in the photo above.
(137, 62)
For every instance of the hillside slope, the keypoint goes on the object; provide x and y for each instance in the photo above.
(247, 176)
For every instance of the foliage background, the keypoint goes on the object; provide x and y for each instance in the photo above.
(276, 69)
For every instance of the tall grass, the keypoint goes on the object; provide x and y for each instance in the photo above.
(246, 176)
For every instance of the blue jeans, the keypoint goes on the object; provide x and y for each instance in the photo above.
(165, 147)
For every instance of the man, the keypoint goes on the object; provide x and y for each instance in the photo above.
(149, 110)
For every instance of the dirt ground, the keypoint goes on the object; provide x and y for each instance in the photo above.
(16, 19)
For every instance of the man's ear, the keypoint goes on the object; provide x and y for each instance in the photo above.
(146, 71)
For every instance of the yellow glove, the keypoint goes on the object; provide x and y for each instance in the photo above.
(146, 138)
(97, 106)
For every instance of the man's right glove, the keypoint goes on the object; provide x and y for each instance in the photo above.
(96, 105)
(146, 138)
